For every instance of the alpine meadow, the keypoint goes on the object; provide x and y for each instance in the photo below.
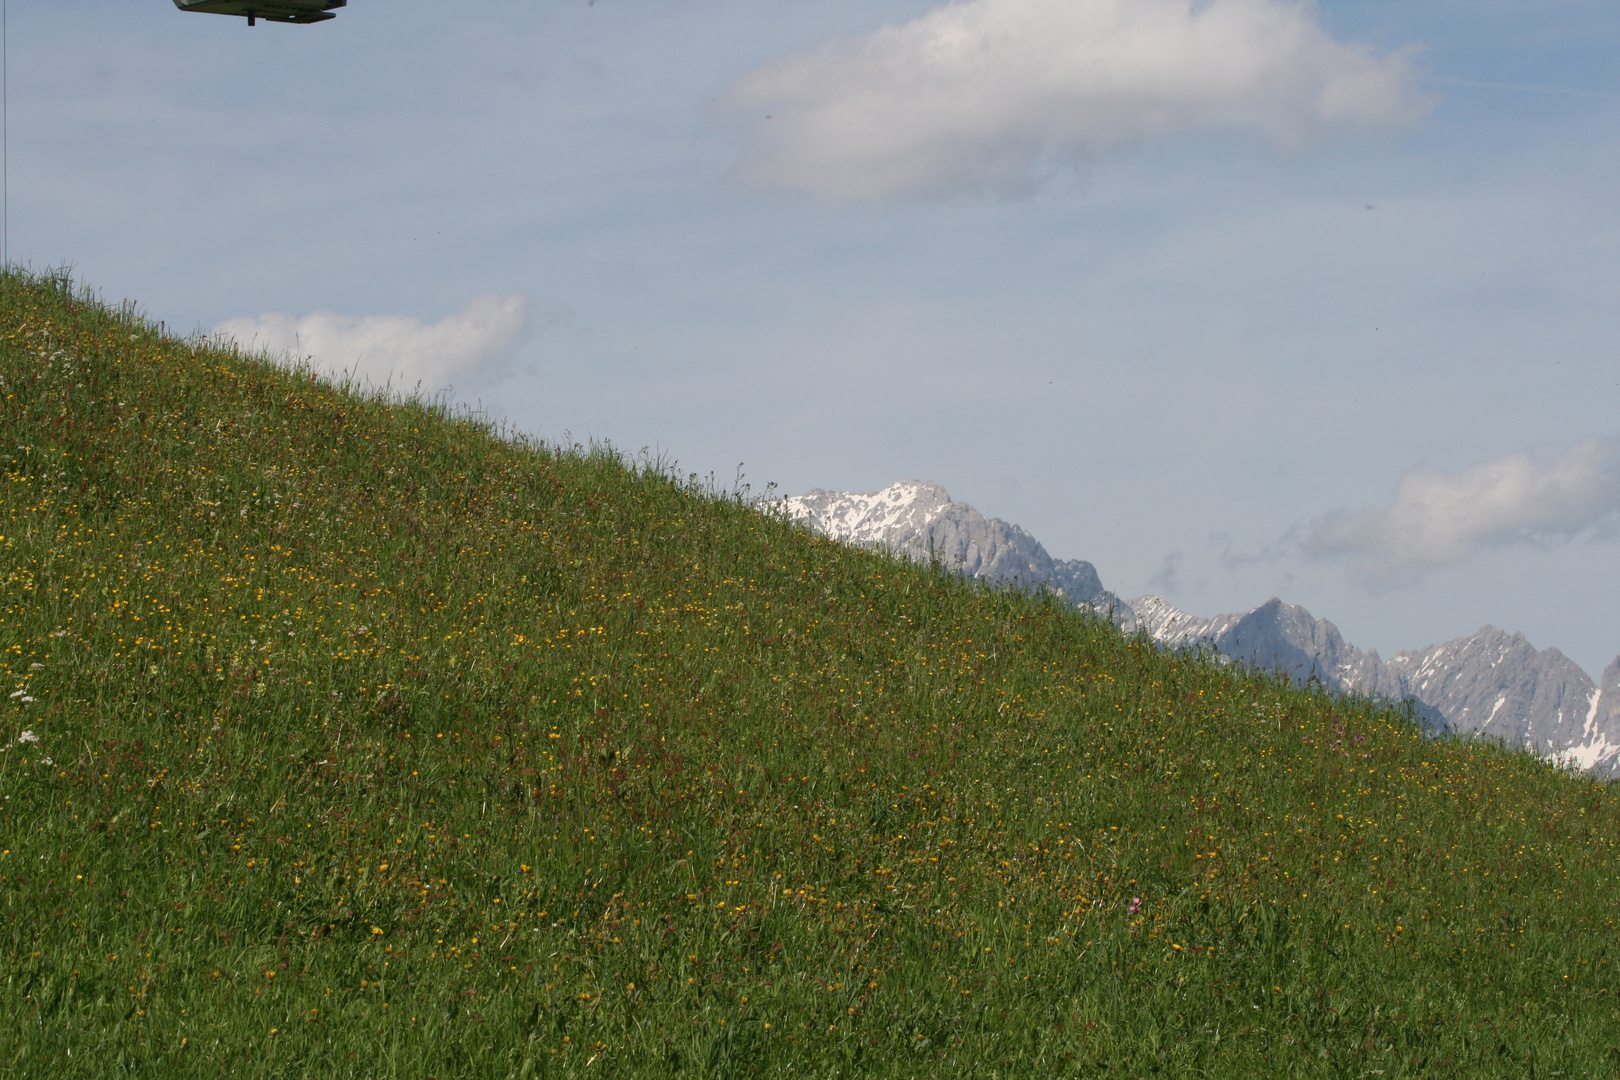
(349, 735)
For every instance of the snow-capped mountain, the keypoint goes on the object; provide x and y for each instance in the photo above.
(918, 519)
(1491, 684)
(1498, 685)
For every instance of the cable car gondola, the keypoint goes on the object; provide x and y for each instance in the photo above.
(287, 11)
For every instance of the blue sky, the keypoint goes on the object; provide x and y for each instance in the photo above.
(1371, 369)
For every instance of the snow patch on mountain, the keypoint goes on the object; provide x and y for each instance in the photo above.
(895, 514)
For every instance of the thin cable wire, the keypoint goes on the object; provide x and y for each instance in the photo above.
(5, 139)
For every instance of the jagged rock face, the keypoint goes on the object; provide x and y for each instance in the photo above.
(918, 519)
(1599, 754)
(1498, 686)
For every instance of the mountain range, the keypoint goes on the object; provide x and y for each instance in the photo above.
(1491, 684)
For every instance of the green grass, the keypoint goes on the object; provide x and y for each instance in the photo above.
(371, 743)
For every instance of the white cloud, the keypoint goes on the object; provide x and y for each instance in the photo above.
(1439, 519)
(473, 345)
(982, 96)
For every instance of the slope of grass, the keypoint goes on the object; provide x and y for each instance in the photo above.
(347, 739)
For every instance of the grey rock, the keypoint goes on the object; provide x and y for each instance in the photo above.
(1600, 756)
(1607, 709)
(1496, 685)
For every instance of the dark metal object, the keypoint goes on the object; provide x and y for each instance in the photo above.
(286, 11)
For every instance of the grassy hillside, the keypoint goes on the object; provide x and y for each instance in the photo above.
(347, 739)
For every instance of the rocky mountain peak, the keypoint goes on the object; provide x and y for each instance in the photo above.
(878, 517)
(918, 519)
